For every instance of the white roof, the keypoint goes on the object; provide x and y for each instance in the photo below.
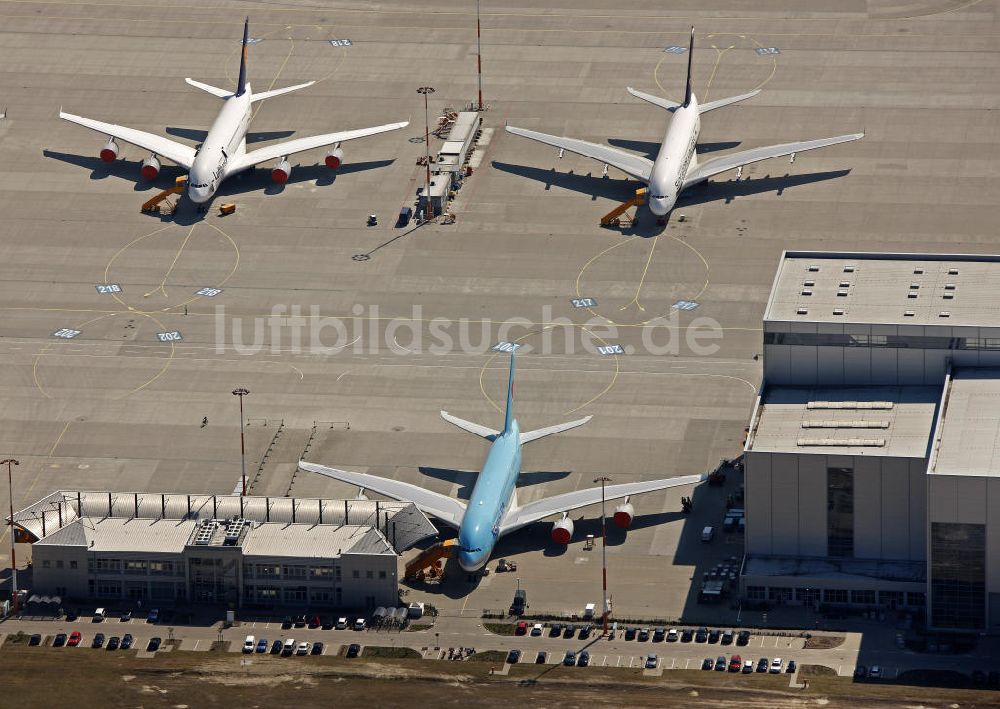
(969, 431)
(121, 535)
(313, 541)
(886, 288)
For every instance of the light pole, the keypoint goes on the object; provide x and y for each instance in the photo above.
(241, 392)
(479, 57)
(604, 553)
(10, 462)
(429, 208)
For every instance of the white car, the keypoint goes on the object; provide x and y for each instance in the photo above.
(672, 635)
(875, 672)
(536, 629)
(359, 624)
(341, 624)
(249, 644)
(775, 665)
(303, 649)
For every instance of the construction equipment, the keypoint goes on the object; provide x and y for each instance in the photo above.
(153, 205)
(618, 217)
(429, 563)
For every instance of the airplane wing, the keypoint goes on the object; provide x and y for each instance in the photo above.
(176, 152)
(638, 167)
(290, 147)
(444, 508)
(518, 517)
(707, 169)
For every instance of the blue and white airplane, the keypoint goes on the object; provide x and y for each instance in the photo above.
(492, 510)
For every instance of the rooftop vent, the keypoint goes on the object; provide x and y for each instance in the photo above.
(838, 311)
(911, 294)
(809, 284)
(848, 269)
(851, 405)
(807, 292)
(952, 271)
(845, 284)
(801, 311)
(842, 293)
(813, 269)
(908, 313)
(914, 286)
(845, 424)
(842, 442)
(944, 314)
(949, 296)
(949, 286)
(918, 272)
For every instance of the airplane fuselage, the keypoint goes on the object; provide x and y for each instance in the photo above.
(676, 157)
(491, 497)
(226, 139)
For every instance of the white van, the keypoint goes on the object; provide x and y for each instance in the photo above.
(99, 615)
(707, 534)
(249, 644)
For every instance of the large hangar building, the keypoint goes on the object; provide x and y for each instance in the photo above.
(873, 455)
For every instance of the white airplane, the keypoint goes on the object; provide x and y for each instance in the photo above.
(676, 166)
(224, 151)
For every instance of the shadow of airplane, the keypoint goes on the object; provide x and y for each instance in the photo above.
(467, 478)
(649, 149)
(128, 170)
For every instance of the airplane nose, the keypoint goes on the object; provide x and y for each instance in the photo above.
(471, 562)
(658, 207)
(198, 195)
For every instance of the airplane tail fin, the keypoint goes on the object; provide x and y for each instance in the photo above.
(241, 86)
(687, 90)
(509, 413)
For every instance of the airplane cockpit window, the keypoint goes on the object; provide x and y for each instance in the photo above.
(659, 196)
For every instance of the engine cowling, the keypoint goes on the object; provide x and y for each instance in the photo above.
(281, 172)
(335, 158)
(562, 531)
(150, 168)
(623, 515)
(109, 153)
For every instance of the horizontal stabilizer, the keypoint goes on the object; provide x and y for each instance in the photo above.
(655, 100)
(254, 98)
(712, 105)
(214, 90)
(488, 433)
(549, 430)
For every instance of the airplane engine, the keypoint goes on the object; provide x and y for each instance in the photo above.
(281, 172)
(623, 516)
(109, 153)
(335, 158)
(562, 531)
(150, 168)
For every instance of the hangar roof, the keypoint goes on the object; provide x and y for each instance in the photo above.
(969, 430)
(886, 288)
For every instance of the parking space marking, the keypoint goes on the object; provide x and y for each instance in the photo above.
(196, 642)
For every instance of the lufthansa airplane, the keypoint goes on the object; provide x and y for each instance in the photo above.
(224, 151)
(676, 166)
(492, 510)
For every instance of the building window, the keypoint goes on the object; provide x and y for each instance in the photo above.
(807, 596)
(321, 572)
(266, 594)
(835, 595)
(369, 574)
(59, 563)
(268, 570)
(296, 594)
(320, 595)
(863, 598)
(382, 574)
(779, 594)
(958, 575)
(356, 574)
(248, 572)
(114, 565)
(109, 589)
(891, 599)
(133, 566)
(161, 568)
(72, 564)
(756, 593)
(916, 599)
(840, 512)
(295, 572)
(336, 570)
(45, 564)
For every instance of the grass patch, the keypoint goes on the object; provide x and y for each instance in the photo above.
(501, 628)
(496, 656)
(816, 671)
(417, 627)
(218, 646)
(17, 638)
(823, 642)
(396, 652)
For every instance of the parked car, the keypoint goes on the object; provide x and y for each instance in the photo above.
(585, 631)
(341, 624)
(59, 640)
(521, 628)
(707, 663)
(762, 664)
(353, 650)
(541, 657)
(153, 645)
(743, 638)
(651, 662)
(276, 647)
(288, 648)
(569, 631)
(584, 659)
(71, 615)
(727, 637)
(672, 635)
(262, 646)
(328, 623)
(570, 659)
(127, 641)
(658, 635)
(74, 638)
(713, 636)
(317, 648)
(555, 630)
(249, 644)
(303, 648)
(514, 656)
(860, 672)
(702, 635)
(790, 668)
(126, 616)
(720, 663)
(748, 667)
(686, 635)
(630, 633)
(286, 622)
(359, 624)
(536, 629)
(315, 622)
(36, 639)
(735, 663)
(300, 621)
(875, 672)
(97, 642)
(643, 635)
(153, 616)
(776, 665)
(113, 642)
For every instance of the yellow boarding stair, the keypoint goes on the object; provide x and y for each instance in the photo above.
(153, 204)
(428, 562)
(614, 217)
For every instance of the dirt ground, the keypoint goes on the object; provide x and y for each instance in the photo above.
(187, 680)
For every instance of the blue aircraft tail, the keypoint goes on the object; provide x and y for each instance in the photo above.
(509, 415)
(241, 86)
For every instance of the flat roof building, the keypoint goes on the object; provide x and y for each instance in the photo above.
(219, 549)
(873, 456)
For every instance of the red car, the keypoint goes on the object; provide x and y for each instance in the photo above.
(735, 663)
(522, 628)
(74, 638)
